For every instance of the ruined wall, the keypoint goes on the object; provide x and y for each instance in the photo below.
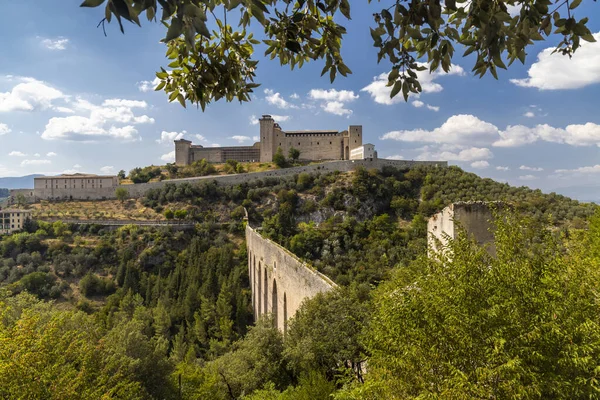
(476, 218)
(280, 282)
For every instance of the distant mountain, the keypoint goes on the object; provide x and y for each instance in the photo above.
(18, 182)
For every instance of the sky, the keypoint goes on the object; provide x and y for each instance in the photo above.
(73, 100)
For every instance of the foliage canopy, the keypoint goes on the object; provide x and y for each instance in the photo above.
(210, 43)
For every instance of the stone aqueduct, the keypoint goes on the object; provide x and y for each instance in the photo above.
(280, 281)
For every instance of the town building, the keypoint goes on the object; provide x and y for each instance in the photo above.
(13, 220)
(314, 145)
(69, 187)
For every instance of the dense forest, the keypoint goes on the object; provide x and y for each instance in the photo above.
(156, 313)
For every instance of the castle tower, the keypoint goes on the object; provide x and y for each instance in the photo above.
(182, 152)
(267, 144)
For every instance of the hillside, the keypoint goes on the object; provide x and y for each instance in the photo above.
(185, 296)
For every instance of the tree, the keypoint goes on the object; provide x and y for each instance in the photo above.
(519, 325)
(121, 175)
(122, 194)
(209, 65)
(294, 153)
(21, 200)
(169, 214)
(279, 158)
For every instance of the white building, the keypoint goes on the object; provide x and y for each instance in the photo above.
(12, 220)
(363, 152)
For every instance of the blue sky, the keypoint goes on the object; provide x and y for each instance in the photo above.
(74, 100)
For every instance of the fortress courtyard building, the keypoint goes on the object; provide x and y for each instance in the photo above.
(314, 145)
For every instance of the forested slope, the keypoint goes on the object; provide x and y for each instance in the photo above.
(137, 298)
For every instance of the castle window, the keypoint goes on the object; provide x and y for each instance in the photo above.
(298, 143)
(317, 143)
(329, 142)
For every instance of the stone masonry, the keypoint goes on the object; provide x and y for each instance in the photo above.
(279, 280)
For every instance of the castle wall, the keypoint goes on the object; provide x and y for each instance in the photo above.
(280, 281)
(222, 154)
(475, 218)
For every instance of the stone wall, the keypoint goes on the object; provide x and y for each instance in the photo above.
(476, 218)
(280, 281)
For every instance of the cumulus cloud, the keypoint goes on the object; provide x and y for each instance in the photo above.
(51, 154)
(555, 71)
(17, 154)
(148, 86)
(29, 95)
(200, 138)
(466, 155)
(480, 164)
(395, 157)
(169, 157)
(529, 114)
(35, 162)
(294, 96)
(380, 92)
(468, 130)
(4, 129)
(101, 122)
(417, 103)
(433, 108)
(458, 129)
(501, 168)
(526, 168)
(60, 43)
(107, 170)
(334, 101)
(594, 169)
(167, 138)
(275, 99)
(254, 120)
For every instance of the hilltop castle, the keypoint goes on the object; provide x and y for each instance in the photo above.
(313, 145)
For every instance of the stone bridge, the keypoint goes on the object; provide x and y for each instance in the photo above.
(280, 281)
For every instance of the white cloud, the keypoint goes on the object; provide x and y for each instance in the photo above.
(555, 71)
(465, 155)
(277, 100)
(395, 157)
(37, 155)
(529, 114)
(240, 139)
(77, 166)
(107, 170)
(124, 103)
(333, 101)
(278, 118)
(333, 95)
(336, 107)
(29, 95)
(4, 129)
(100, 123)
(35, 162)
(380, 92)
(215, 145)
(433, 108)
(17, 154)
(200, 138)
(480, 164)
(60, 43)
(51, 154)
(417, 103)
(148, 86)
(169, 157)
(167, 138)
(527, 177)
(65, 110)
(501, 168)
(594, 169)
(294, 96)
(526, 168)
(256, 138)
(458, 129)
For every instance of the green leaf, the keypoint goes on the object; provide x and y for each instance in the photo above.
(175, 30)
(574, 4)
(396, 89)
(91, 3)
(294, 46)
(588, 37)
